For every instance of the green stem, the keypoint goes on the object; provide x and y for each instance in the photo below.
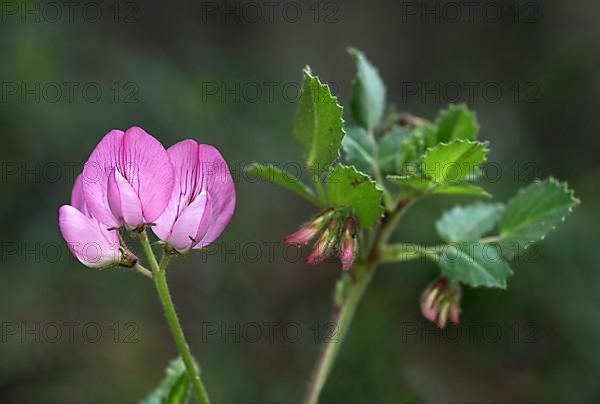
(387, 198)
(340, 321)
(343, 312)
(318, 188)
(406, 252)
(142, 270)
(160, 281)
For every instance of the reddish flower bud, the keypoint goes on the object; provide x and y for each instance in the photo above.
(349, 244)
(441, 300)
(324, 245)
(307, 232)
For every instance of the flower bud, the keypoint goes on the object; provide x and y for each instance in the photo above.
(309, 231)
(324, 245)
(440, 300)
(349, 245)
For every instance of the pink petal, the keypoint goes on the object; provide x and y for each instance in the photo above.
(95, 177)
(185, 230)
(221, 190)
(302, 236)
(188, 184)
(454, 314)
(92, 245)
(429, 312)
(321, 251)
(123, 201)
(198, 168)
(77, 197)
(348, 252)
(142, 162)
(149, 171)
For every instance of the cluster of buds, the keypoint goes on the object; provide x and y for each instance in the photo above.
(333, 230)
(440, 300)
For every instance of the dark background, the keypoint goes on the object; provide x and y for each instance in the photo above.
(228, 74)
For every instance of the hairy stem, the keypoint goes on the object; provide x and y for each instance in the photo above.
(142, 270)
(406, 252)
(343, 312)
(160, 282)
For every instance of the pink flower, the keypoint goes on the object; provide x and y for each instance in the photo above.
(128, 179)
(349, 245)
(203, 198)
(89, 240)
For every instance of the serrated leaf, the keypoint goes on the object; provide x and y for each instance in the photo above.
(368, 93)
(461, 189)
(475, 264)
(174, 388)
(360, 149)
(319, 125)
(468, 223)
(456, 122)
(348, 187)
(455, 161)
(283, 179)
(534, 212)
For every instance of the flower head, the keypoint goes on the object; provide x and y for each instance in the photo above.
(439, 300)
(349, 245)
(335, 230)
(88, 239)
(202, 200)
(128, 179)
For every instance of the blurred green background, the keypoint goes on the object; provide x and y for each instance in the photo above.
(228, 74)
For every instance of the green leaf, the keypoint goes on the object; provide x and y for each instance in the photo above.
(475, 264)
(450, 162)
(283, 179)
(360, 149)
(468, 223)
(368, 93)
(533, 213)
(428, 134)
(390, 150)
(347, 187)
(174, 388)
(399, 150)
(456, 122)
(461, 189)
(412, 181)
(319, 125)
(426, 186)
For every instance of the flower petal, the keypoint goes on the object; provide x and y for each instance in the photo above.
(184, 157)
(198, 168)
(123, 201)
(219, 183)
(92, 245)
(142, 162)
(186, 227)
(77, 197)
(95, 177)
(149, 171)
